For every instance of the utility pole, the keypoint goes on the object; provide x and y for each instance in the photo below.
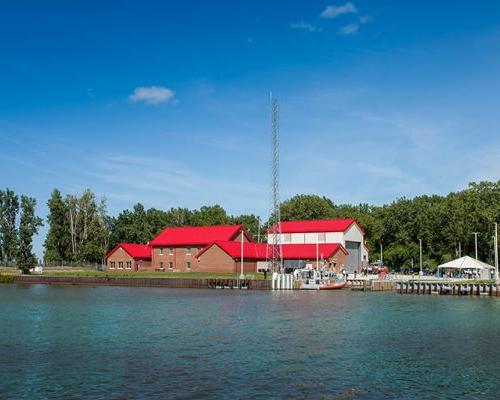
(475, 241)
(258, 229)
(381, 255)
(496, 251)
(421, 268)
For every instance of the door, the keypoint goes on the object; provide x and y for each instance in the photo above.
(354, 257)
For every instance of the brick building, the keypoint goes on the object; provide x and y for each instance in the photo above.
(174, 249)
(221, 256)
(338, 244)
(129, 257)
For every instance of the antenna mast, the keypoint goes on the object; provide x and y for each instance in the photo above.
(275, 257)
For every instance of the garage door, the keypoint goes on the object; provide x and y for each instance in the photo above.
(354, 257)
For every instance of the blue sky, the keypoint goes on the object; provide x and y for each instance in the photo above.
(168, 104)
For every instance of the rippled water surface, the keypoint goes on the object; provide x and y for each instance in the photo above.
(145, 343)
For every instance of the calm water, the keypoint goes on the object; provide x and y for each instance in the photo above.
(144, 343)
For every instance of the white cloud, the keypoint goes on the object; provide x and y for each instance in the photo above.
(364, 19)
(349, 29)
(335, 11)
(304, 25)
(152, 94)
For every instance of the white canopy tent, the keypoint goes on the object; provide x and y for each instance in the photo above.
(467, 263)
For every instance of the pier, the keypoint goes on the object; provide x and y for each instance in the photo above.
(457, 288)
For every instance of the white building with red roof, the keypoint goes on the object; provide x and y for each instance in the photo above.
(346, 232)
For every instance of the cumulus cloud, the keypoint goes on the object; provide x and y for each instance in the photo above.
(334, 11)
(152, 94)
(349, 29)
(306, 26)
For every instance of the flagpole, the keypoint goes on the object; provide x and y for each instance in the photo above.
(242, 275)
(496, 251)
(317, 251)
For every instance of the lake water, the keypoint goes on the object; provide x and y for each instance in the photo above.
(67, 342)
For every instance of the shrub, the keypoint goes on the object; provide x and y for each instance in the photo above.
(6, 278)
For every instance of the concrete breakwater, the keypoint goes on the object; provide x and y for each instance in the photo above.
(185, 283)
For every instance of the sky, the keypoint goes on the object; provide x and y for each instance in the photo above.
(167, 103)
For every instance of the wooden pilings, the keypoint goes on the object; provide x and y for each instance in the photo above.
(448, 288)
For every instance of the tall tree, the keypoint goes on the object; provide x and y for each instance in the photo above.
(307, 206)
(211, 215)
(9, 207)
(28, 227)
(58, 241)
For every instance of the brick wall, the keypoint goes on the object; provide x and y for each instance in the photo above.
(217, 260)
(178, 256)
(120, 256)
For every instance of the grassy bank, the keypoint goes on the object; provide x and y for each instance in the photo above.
(165, 275)
(7, 278)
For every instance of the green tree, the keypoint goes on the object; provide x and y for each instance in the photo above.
(252, 224)
(307, 206)
(211, 215)
(9, 207)
(57, 242)
(28, 227)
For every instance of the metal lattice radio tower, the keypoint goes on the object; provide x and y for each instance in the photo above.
(275, 259)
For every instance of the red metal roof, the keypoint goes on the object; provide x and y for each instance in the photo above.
(251, 250)
(320, 225)
(136, 251)
(197, 235)
(258, 251)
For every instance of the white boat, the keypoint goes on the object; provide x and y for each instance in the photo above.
(313, 279)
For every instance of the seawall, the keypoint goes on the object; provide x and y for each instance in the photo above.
(184, 283)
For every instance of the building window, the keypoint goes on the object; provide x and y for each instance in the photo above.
(170, 265)
(188, 265)
(321, 237)
(188, 251)
(161, 251)
(112, 265)
(287, 237)
(170, 251)
(129, 264)
(161, 265)
(120, 265)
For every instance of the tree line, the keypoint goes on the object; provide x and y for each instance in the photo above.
(18, 225)
(80, 229)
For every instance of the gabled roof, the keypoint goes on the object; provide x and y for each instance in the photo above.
(136, 251)
(259, 251)
(319, 225)
(251, 250)
(197, 235)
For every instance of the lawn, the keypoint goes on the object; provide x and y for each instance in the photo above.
(166, 275)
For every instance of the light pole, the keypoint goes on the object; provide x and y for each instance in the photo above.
(475, 241)
(421, 269)
(496, 251)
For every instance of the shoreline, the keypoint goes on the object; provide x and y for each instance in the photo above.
(184, 283)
